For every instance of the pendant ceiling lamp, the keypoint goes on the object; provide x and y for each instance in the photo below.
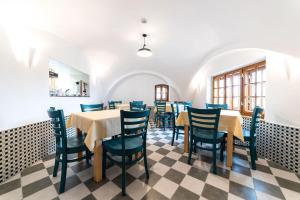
(144, 52)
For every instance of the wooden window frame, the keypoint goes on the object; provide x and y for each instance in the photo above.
(242, 71)
(162, 86)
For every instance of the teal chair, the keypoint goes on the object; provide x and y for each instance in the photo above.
(161, 115)
(65, 145)
(112, 104)
(132, 141)
(91, 107)
(137, 106)
(250, 135)
(138, 102)
(204, 129)
(187, 104)
(175, 114)
(215, 106)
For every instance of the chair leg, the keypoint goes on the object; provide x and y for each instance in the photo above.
(56, 165)
(190, 151)
(214, 159)
(177, 131)
(164, 123)
(173, 137)
(123, 176)
(63, 174)
(103, 163)
(222, 151)
(88, 156)
(252, 155)
(146, 163)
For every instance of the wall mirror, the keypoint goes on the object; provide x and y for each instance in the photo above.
(66, 81)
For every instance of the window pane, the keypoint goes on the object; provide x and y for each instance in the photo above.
(221, 100)
(252, 103)
(228, 81)
(259, 101)
(221, 82)
(259, 76)
(216, 93)
(229, 92)
(259, 89)
(216, 100)
(252, 90)
(252, 77)
(236, 91)
(236, 103)
(236, 80)
(158, 96)
(229, 102)
(221, 92)
(215, 83)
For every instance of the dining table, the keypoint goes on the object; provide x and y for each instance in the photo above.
(97, 125)
(230, 121)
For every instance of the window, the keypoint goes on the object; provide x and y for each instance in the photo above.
(241, 89)
(161, 92)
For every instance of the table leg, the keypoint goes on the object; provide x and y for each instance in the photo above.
(229, 149)
(186, 138)
(79, 132)
(97, 165)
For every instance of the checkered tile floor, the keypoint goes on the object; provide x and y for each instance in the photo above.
(170, 178)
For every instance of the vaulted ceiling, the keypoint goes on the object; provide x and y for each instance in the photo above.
(182, 34)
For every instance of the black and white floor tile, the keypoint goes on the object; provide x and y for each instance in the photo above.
(170, 178)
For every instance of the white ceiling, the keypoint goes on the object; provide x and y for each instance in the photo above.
(182, 34)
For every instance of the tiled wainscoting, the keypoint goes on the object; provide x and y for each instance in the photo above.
(23, 146)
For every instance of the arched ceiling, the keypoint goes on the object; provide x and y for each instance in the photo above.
(181, 33)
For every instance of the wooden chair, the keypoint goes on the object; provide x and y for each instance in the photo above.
(161, 114)
(215, 106)
(175, 114)
(91, 107)
(132, 141)
(204, 129)
(250, 135)
(65, 145)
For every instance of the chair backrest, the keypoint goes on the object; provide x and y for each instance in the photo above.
(256, 116)
(118, 102)
(137, 106)
(138, 102)
(111, 105)
(214, 106)
(59, 127)
(161, 107)
(204, 119)
(91, 107)
(175, 110)
(134, 124)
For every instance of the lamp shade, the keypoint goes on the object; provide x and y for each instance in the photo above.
(144, 52)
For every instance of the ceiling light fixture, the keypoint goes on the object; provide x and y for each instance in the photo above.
(144, 52)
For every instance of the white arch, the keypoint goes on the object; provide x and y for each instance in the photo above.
(169, 81)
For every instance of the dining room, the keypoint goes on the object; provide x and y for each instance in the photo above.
(138, 99)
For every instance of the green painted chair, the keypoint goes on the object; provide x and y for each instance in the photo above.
(138, 102)
(111, 105)
(132, 141)
(65, 145)
(175, 113)
(187, 104)
(161, 115)
(204, 129)
(250, 135)
(215, 106)
(137, 106)
(91, 107)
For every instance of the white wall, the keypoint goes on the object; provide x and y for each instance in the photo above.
(139, 87)
(283, 80)
(25, 92)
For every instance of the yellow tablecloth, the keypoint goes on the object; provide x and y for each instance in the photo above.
(97, 125)
(123, 106)
(230, 121)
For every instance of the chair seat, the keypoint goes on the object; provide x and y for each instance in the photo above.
(207, 136)
(132, 145)
(74, 144)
